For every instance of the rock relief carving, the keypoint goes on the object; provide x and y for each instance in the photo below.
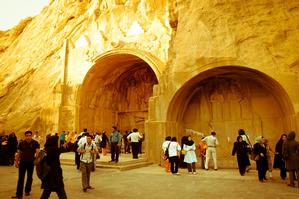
(234, 97)
(217, 100)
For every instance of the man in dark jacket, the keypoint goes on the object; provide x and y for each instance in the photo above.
(53, 182)
(290, 153)
(27, 150)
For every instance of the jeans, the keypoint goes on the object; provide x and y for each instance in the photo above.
(23, 167)
(174, 164)
(114, 151)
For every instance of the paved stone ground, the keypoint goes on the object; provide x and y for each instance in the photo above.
(152, 182)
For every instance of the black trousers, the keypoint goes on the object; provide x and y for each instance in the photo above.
(242, 164)
(114, 151)
(77, 160)
(174, 164)
(135, 149)
(283, 170)
(191, 167)
(59, 191)
(23, 167)
(262, 167)
(127, 147)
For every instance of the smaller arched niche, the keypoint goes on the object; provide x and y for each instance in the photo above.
(116, 91)
(226, 99)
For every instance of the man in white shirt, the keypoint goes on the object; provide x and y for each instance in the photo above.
(87, 151)
(134, 137)
(212, 142)
(174, 150)
(37, 137)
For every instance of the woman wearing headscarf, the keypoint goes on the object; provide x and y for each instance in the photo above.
(261, 158)
(182, 156)
(190, 156)
(240, 148)
(279, 162)
(53, 182)
(290, 153)
(12, 147)
(246, 139)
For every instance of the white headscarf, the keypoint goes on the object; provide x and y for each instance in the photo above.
(259, 139)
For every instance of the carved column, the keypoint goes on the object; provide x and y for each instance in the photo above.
(67, 107)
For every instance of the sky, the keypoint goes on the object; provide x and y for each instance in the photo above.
(12, 11)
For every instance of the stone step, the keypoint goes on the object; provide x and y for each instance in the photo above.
(122, 166)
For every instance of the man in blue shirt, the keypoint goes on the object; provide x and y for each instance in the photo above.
(115, 142)
(62, 138)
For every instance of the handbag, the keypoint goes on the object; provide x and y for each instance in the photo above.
(166, 153)
(183, 152)
(250, 151)
(257, 157)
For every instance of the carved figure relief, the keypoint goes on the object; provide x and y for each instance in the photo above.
(226, 103)
(126, 98)
(217, 100)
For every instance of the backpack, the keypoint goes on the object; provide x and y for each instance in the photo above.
(42, 167)
(92, 168)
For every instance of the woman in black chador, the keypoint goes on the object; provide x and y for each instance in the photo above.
(260, 151)
(182, 156)
(12, 147)
(278, 160)
(53, 182)
(4, 151)
(241, 148)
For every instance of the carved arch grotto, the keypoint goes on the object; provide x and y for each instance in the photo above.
(227, 98)
(116, 89)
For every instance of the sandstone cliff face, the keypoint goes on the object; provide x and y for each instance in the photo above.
(252, 31)
(31, 68)
(42, 56)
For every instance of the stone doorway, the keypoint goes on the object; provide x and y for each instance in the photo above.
(232, 98)
(116, 91)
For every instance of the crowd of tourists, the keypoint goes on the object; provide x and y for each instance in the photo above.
(286, 155)
(87, 147)
(185, 154)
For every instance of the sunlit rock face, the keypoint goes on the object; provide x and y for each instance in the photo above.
(166, 67)
(44, 61)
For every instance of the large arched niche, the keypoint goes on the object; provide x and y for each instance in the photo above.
(225, 99)
(116, 91)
